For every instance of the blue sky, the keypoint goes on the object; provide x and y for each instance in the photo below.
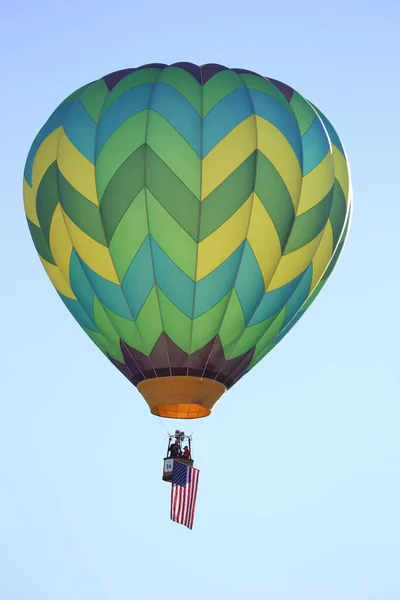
(311, 510)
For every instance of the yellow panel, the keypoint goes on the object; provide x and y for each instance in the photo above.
(220, 244)
(227, 155)
(316, 184)
(77, 169)
(291, 265)
(45, 156)
(30, 204)
(264, 240)
(60, 242)
(341, 171)
(57, 279)
(323, 255)
(277, 149)
(95, 255)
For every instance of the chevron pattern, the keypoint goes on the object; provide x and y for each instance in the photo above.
(187, 216)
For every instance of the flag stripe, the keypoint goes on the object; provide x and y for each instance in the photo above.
(184, 494)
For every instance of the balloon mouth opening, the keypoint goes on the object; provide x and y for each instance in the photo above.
(181, 411)
(180, 397)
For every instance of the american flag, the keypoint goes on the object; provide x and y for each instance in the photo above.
(185, 481)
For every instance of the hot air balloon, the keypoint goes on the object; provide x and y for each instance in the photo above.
(187, 217)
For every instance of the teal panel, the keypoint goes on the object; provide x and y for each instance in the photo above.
(130, 103)
(299, 296)
(175, 284)
(271, 110)
(81, 130)
(179, 112)
(249, 283)
(109, 293)
(139, 278)
(315, 146)
(81, 286)
(78, 312)
(225, 116)
(212, 288)
(274, 301)
(56, 120)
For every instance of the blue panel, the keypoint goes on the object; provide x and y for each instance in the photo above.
(274, 301)
(56, 120)
(81, 130)
(80, 285)
(139, 278)
(179, 113)
(130, 103)
(331, 132)
(315, 146)
(271, 110)
(249, 283)
(300, 295)
(174, 283)
(109, 294)
(212, 288)
(78, 313)
(225, 116)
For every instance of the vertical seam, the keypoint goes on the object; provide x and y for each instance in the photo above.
(246, 234)
(148, 220)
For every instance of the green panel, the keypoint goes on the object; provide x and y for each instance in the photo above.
(127, 330)
(233, 324)
(72, 97)
(219, 86)
(94, 97)
(104, 345)
(80, 210)
(255, 82)
(176, 323)
(129, 235)
(271, 332)
(123, 188)
(309, 224)
(47, 198)
(304, 112)
(174, 196)
(250, 337)
(206, 327)
(337, 215)
(185, 84)
(174, 150)
(132, 80)
(176, 243)
(122, 143)
(223, 202)
(40, 243)
(274, 195)
(105, 322)
(149, 321)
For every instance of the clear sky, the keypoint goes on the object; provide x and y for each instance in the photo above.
(299, 493)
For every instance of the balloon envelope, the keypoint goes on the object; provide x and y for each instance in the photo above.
(187, 216)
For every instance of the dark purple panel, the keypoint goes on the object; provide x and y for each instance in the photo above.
(138, 363)
(286, 90)
(168, 359)
(246, 72)
(153, 66)
(231, 373)
(191, 68)
(159, 357)
(209, 70)
(112, 79)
